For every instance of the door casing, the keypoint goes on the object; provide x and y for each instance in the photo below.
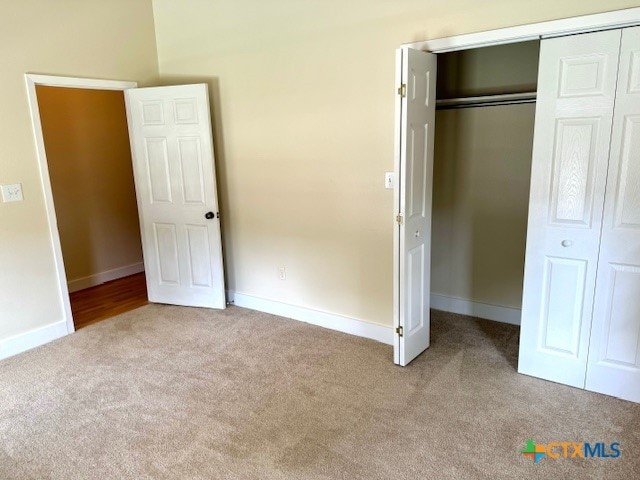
(65, 82)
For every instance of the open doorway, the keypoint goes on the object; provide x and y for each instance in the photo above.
(462, 233)
(485, 115)
(173, 168)
(86, 141)
(574, 312)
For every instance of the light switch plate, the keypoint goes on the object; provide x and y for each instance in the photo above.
(388, 180)
(12, 193)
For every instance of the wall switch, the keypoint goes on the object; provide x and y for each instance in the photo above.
(12, 193)
(282, 273)
(388, 180)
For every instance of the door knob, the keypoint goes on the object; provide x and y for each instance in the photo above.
(209, 215)
(566, 243)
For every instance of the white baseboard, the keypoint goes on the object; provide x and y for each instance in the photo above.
(482, 310)
(31, 339)
(39, 336)
(102, 277)
(332, 321)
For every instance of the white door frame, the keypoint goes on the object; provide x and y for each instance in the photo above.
(66, 82)
(627, 17)
(522, 33)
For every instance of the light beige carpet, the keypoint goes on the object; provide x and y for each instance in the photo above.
(167, 392)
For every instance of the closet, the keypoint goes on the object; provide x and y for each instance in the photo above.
(482, 168)
(581, 300)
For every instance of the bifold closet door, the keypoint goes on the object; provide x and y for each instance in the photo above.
(576, 93)
(416, 118)
(614, 352)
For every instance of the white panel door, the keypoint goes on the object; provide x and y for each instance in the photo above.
(576, 93)
(614, 352)
(174, 173)
(416, 115)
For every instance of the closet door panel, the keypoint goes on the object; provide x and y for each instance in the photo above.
(572, 184)
(563, 290)
(614, 353)
(415, 168)
(576, 94)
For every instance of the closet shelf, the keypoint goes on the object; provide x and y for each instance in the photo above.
(486, 100)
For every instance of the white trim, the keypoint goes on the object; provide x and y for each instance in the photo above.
(77, 82)
(33, 338)
(331, 321)
(397, 147)
(496, 313)
(70, 82)
(103, 277)
(534, 31)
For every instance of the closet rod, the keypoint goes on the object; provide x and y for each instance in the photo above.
(486, 100)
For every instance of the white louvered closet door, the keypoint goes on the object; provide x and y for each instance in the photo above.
(614, 352)
(576, 94)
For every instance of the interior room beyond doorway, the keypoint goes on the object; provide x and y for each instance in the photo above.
(89, 161)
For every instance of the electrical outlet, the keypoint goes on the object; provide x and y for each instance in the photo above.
(388, 180)
(12, 193)
(282, 273)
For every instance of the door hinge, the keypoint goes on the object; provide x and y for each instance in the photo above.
(402, 90)
(399, 331)
(399, 219)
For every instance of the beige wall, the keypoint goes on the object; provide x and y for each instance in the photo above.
(89, 157)
(88, 38)
(304, 127)
(304, 102)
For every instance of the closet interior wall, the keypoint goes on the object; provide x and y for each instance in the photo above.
(482, 171)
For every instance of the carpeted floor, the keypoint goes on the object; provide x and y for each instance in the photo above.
(170, 393)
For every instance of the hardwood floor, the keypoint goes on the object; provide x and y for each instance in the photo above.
(108, 300)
